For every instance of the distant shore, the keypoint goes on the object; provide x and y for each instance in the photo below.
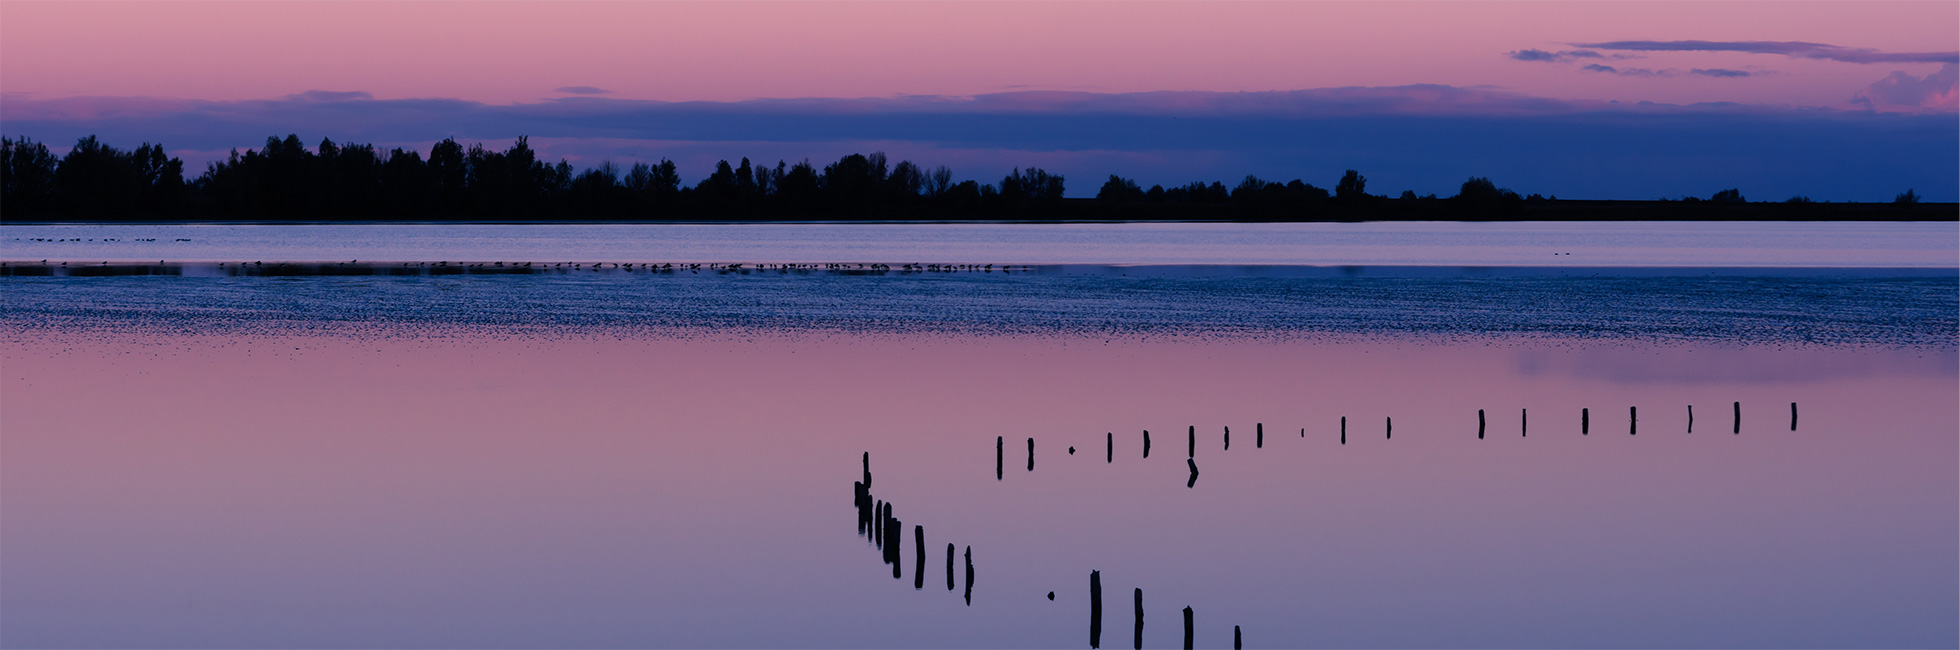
(1101, 211)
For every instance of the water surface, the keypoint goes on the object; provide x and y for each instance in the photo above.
(627, 457)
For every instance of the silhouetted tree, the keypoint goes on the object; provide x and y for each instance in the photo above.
(1480, 197)
(1908, 197)
(27, 178)
(1727, 196)
(1119, 190)
(1353, 187)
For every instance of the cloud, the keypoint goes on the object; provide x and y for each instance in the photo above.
(1792, 49)
(1901, 90)
(1553, 57)
(1427, 138)
(1627, 72)
(583, 90)
(1719, 73)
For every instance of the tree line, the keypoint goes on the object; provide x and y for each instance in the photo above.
(286, 180)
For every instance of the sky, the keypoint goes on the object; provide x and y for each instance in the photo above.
(1592, 99)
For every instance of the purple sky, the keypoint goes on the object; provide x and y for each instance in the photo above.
(1837, 101)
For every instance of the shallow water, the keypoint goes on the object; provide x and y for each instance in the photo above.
(624, 458)
(506, 491)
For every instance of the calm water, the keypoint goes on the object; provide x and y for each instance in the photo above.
(623, 458)
(1621, 244)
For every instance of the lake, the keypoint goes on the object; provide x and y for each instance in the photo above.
(1360, 435)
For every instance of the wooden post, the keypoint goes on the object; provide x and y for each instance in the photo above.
(969, 576)
(1228, 438)
(997, 457)
(1187, 628)
(878, 524)
(1524, 422)
(1146, 443)
(857, 501)
(1738, 417)
(1191, 442)
(919, 563)
(1480, 424)
(1691, 418)
(1585, 420)
(1139, 641)
(891, 547)
(1193, 462)
(949, 566)
(1793, 416)
(867, 470)
(1391, 428)
(1343, 429)
(1095, 609)
(1259, 435)
(1109, 447)
(1238, 640)
(1031, 454)
(1633, 420)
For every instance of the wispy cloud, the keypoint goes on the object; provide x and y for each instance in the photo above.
(1627, 72)
(1721, 72)
(1718, 73)
(1553, 57)
(1792, 49)
(583, 90)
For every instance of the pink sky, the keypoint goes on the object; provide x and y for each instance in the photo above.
(520, 52)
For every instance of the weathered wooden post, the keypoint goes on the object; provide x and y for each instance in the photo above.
(1259, 435)
(1146, 443)
(1238, 640)
(1480, 424)
(949, 566)
(1343, 429)
(1738, 417)
(1095, 609)
(1691, 418)
(1139, 635)
(1524, 422)
(919, 563)
(1585, 420)
(1633, 420)
(867, 470)
(857, 502)
(1191, 442)
(1109, 447)
(891, 546)
(969, 576)
(1228, 438)
(1187, 628)
(1031, 454)
(1391, 428)
(1793, 416)
(878, 523)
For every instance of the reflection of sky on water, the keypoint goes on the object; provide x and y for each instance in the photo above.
(622, 459)
(502, 491)
(1733, 365)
